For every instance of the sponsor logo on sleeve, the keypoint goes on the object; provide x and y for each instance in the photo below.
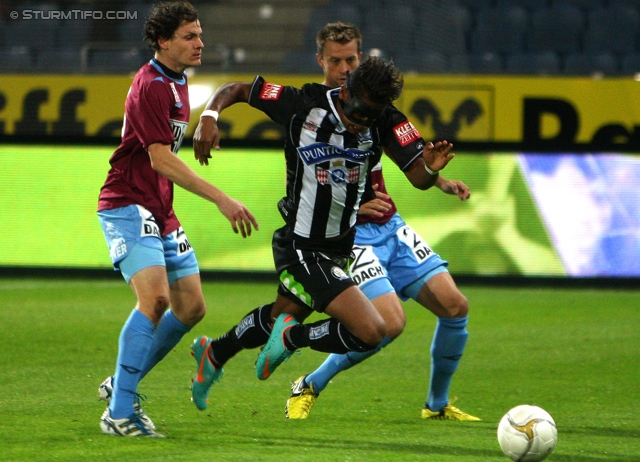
(178, 103)
(406, 133)
(270, 91)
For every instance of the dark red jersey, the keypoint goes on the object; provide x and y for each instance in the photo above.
(156, 111)
(377, 178)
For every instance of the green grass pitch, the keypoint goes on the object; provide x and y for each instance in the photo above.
(574, 352)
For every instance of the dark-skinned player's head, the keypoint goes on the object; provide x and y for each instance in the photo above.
(372, 86)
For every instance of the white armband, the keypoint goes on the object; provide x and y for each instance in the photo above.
(210, 113)
(429, 171)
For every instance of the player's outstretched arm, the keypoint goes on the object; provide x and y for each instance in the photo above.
(207, 134)
(423, 172)
(238, 215)
(437, 156)
(175, 169)
(453, 187)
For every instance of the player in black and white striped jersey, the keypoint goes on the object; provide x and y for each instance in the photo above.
(334, 138)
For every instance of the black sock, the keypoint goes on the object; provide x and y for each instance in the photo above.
(253, 331)
(328, 335)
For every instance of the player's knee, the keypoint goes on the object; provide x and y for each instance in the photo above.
(161, 303)
(459, 308)
(395, 326)
(374, 332)
(154, 307)
(196, 312)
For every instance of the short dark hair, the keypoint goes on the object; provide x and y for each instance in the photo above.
(378, 80)
(165, 19)
(340, 32)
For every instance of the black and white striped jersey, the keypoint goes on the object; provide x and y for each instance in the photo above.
(328, 167)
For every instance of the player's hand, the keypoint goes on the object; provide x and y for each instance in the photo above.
(205, 136)
(437, 156)
(240, 217)
(376, 207)
(454, 187)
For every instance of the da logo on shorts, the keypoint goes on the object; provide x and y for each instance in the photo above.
(338, 273)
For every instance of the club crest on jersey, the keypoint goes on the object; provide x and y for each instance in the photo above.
(337, 173)
(406, 133)
(270, 91)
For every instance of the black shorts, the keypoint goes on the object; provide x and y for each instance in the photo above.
(309, 277)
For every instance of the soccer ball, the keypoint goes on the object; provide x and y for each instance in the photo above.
(527, 433)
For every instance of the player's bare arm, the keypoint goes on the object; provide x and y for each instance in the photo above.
(175, 169)
(437, 156)
(423, 172)
(453, 187)
(207, 134)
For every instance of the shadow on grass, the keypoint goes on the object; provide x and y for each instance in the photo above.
(599, 432)
(401, 451)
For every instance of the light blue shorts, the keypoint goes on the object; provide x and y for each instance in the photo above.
(134, 242)
(393, 258)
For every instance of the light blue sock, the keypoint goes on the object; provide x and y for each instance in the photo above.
(335, 364)
(448, 345)
(168, 334)
(135, 341)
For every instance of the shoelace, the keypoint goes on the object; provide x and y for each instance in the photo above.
(140, 397)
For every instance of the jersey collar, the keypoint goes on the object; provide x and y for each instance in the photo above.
(168, 73)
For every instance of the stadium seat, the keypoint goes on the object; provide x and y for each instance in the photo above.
(533, 63)
(429, 62)
(492, 38)
(74, 34)
(630, 64)
(613, 29)
(130, 31)
(37, 35)
(476, 5)
(15, 59)
(484, 63)
(531, 5)
(375, 32)
(601, 38)
(59, 60)
(318, 18)
(499, 29)
(364, 4)
(557, 29)
(300, 62)
(633, 3)
(345, 12)
(586, 64)
(402, 27)
(116, 61)
(585, 5)
(508, 17)
(441, 28)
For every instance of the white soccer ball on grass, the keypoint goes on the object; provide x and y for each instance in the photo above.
(527, 433)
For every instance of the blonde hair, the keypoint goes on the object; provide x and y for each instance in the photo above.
(339, 32)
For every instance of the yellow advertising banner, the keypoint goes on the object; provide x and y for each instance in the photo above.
(466, 108)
